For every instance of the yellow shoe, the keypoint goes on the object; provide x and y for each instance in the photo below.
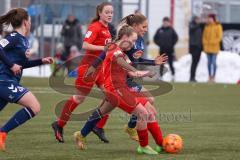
(80, 140)
(132, 133)
(3, 137)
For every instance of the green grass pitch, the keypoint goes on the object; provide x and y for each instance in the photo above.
(206, 116)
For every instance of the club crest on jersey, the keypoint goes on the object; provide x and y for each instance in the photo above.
(137, 54)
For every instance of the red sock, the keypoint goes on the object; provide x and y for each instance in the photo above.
(103, 121)
(67, 110)
(156, 132)
(143, 137)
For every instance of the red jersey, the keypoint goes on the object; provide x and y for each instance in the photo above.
(114, 74)
(97, 34)
(117, 91)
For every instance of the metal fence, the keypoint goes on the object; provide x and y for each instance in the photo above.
(49, 15)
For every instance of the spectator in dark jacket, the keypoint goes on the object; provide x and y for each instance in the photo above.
(166, 38)
(72, 34)
(195, 44)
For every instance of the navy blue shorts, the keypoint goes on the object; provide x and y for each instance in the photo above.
(11, 91)
(133, 85)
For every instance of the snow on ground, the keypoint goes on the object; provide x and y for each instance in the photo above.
(228, 70)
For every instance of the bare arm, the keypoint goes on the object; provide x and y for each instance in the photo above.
(133, 72)
(125, 65)
(91, 47)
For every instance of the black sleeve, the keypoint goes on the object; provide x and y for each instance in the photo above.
(156, 38)
(99, 59)
(143, 61)
(112, 30)
(80, 36)
(79, 32)
(33, 63)
(63, 31)
(193, 26)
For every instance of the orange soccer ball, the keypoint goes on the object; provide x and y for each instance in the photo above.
(172, 143)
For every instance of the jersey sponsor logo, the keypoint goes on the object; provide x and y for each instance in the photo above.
(106, 32)
(137, 54)
(108, 41)
(4, 42)
(88, 34)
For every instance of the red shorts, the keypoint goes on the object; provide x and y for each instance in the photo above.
(125, 99)
(85, 84)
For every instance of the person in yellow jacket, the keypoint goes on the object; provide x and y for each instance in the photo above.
(212, 37)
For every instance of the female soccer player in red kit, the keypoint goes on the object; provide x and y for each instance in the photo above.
(115, 70)
(119, 94)
(94, 43)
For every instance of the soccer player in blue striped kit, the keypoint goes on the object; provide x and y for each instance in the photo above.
(14, 51)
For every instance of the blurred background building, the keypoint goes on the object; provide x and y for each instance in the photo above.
(49, 15)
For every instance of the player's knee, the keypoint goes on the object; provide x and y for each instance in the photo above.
(151, 100)
(78, 98)
(141, 113)
(151, 112)
(36, 108)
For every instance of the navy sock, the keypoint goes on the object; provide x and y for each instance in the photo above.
(18, 119)
(91, 122)
(132, 122)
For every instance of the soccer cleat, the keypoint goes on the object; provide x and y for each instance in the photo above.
(146, 150)
(3, 137)
(80, 140)
(100, 133)
(159, 149)
(58, 131)
(132, 133)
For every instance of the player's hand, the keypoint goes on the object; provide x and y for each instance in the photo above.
(16, 69)
(161, 59)
(110, 46)
(152, 74)
(90, 71)
(47, 60)
(28, 53)
(91, 74)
